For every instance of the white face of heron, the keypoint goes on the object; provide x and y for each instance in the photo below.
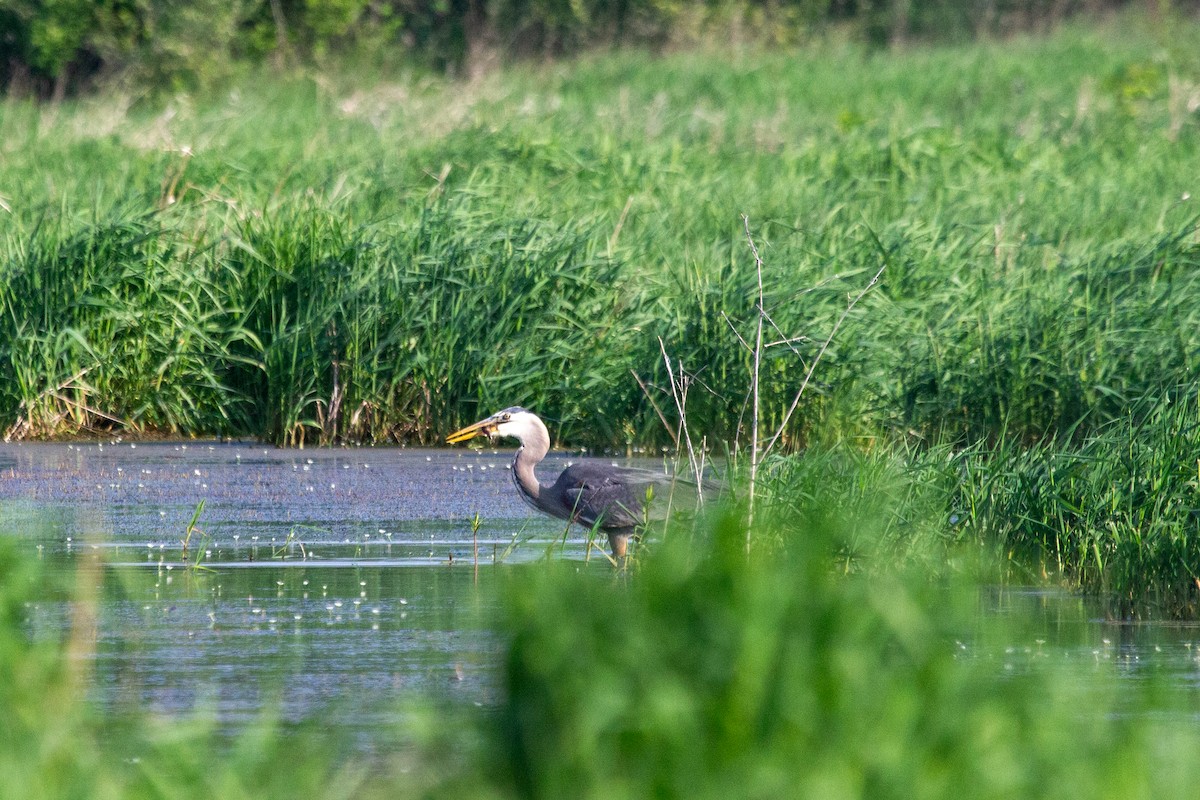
(517, 424)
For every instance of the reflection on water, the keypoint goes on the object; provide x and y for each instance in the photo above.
(341, 584)
(346, 645)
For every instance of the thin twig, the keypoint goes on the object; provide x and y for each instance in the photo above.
(789, 341)
(786, 340)
(679, 394)
(758, 338)
(729, 322)
(813, 366)
(654, 405)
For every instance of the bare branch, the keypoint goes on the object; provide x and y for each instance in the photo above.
(728, 321)
(813, 366)
(789, 341)
(654, 405)
(786, 339)
(679, 394)
(758, 347)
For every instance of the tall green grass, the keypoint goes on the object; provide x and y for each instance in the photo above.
(1026, 197)
(119, 323)
(1118, 513)
(434, 318)
(332, 258)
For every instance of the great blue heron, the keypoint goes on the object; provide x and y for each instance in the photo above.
(606, 496)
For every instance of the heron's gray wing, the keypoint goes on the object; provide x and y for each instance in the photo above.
(612, 505)
(661, 480)
(613, 495)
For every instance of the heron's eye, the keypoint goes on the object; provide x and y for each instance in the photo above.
(505, 417)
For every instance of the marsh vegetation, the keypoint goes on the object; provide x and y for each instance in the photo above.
(405, 254)
(311, 257)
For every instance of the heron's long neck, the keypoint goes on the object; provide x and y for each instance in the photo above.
(534, 446)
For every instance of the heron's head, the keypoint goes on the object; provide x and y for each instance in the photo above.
(515, 422)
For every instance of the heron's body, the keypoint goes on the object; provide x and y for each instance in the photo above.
(592, 494)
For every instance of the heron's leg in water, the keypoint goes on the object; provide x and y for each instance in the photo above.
(619, 542)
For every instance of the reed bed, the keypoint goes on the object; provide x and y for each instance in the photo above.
(1116, 513)
(312, 259)
(1029, 202)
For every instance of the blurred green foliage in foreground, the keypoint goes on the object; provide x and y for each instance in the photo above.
(702, 672)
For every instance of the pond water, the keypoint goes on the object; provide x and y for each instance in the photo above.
(336, 582)
(341, 583)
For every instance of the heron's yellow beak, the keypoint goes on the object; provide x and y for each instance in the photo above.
(484, 427)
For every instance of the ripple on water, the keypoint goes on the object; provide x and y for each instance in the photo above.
(337, 583)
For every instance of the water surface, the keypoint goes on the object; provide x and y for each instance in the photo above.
(339, 585)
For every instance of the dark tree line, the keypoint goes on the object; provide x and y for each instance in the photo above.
(50, 48)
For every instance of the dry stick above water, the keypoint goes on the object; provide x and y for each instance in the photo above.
(654, 405)
(757, 453)
(679, 394)
(758, 348)
(679, 380)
